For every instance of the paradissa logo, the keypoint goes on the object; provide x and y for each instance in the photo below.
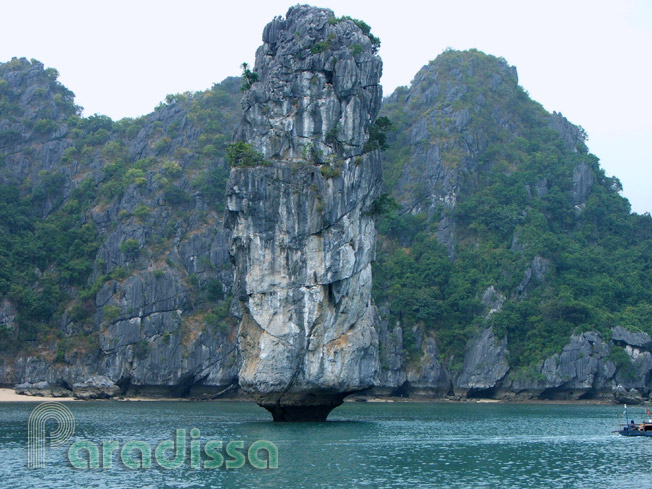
(172, 454)
(168, 454)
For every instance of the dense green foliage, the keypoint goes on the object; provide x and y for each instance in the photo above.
(241, 154)
(597, 256)
(420, 285)
(510, 170)
(49, 270)
(248, 77)
(41, 258)
(378, 134)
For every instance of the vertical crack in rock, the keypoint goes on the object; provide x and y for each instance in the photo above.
(303, 238)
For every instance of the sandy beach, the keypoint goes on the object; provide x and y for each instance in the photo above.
(9, 395)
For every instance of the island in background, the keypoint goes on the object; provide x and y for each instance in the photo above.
(508, 265)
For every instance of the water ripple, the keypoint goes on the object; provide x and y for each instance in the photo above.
(365, 445)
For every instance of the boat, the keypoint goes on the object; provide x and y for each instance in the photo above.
(633, 429)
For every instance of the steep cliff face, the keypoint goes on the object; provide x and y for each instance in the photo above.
(303, 238)
(130, 277)
(512, 267)
(497, 269)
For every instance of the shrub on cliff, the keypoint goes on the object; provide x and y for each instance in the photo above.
(244, 155)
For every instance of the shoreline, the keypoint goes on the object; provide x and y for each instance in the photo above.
(8, 395)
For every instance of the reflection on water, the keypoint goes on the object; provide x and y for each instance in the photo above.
(362, 445)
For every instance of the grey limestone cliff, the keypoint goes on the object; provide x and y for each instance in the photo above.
(303, 238)
(485, 364)
(142, 329)
(144, 306)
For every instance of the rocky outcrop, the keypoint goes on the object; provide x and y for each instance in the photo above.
(589, 368)
(97, 387)
(624, 396)
(33, 129)
(439, 141)
(633, 341)
(393, 376)
(485, 364)
(537, 271)
(572, 135)
(493, 300)
(634, 373)
(428, 377)
(41, 389)
(582, 184)
(143, 326)
(146, 308)
(582, 370)
(303, 238)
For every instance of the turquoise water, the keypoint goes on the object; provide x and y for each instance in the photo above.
(423, 445)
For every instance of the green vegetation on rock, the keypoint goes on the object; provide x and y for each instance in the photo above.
(496, 192)
(493, 213)
(63, 171)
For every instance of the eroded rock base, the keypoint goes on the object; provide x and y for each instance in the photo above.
(314, 406)
(301, 413)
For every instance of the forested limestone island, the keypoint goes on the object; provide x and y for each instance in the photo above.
(451, 240)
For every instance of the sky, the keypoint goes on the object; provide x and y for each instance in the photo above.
(588, 59)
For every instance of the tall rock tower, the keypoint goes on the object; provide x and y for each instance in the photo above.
(299, 209)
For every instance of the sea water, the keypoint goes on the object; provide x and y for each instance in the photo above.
(375, 445)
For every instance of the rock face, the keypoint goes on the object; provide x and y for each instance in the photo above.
(590, 368)
(582, 183)
(485, 363)
(303, 238)
(41, 389)
(97, 387)
(582, 367)
(625, 338)
(143, 327)
(138, 300)
(429, 378)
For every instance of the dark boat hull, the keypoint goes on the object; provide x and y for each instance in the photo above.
(635, 433)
